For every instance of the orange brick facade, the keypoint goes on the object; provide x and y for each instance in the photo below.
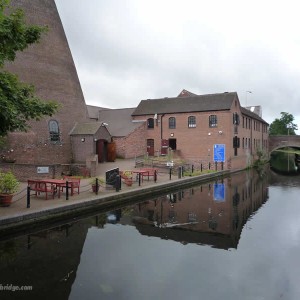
(196, 144)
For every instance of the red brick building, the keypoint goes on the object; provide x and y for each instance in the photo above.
(203, 128)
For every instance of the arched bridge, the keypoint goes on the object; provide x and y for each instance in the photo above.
(282, 141)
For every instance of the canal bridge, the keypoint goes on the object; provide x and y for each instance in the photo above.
(277, 142)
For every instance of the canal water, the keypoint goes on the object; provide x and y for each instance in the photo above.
(237, 238)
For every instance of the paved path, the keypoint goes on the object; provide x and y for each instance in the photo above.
(39, 204)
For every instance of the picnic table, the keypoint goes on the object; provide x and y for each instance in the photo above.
(52, 186)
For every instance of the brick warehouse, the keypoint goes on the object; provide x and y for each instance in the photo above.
(194, 125)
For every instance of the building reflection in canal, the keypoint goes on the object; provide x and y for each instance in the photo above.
(211, 214)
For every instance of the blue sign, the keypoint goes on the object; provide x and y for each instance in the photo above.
(219, 152)
(219, 192)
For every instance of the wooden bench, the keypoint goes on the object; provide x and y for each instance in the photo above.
(39, 186)
(149, 172)
(75, 184)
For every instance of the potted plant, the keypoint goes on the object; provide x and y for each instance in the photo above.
(101, 182)
(8, 186)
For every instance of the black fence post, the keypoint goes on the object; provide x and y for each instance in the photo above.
(155, 175)
(140, 175)
(216, 166)
(222, 166)
(201, 167)
(67, 190)
(170, 173)
(117, 183)
(179, 172)
(28, 197)
(192, 168)
(209, 166)
(97, 185)
(182, 171)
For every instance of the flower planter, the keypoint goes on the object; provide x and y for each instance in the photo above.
(94, 188)
(5, 200)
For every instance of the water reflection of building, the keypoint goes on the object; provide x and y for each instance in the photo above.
(47, 261)
(212, 214)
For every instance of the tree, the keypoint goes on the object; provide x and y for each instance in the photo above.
(284, 125)
(18, 103)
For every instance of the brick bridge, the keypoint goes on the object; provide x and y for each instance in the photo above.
(281, 141)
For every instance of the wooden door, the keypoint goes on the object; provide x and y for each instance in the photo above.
(150, 147)
(111, 152)
(164, 147)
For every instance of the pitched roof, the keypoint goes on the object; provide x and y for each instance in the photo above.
(89, 128)
(210, 102)
(185, 93)
(119, 121)
(93, 111)
(252, 115)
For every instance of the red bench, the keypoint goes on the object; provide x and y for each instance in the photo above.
(39, 186)
(75, 183)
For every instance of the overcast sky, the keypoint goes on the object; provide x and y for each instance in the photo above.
(129, 50)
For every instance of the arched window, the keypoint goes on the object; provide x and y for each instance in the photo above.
(150, 123)
(191, 121)
(54, 131)
(172, 123)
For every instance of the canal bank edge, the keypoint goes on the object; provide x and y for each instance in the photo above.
(70, 212)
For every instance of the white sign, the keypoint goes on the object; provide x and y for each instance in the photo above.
(43, 170)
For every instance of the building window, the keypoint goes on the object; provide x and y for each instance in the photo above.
(150, 123)
(54, 131)
(172, 123)
(213, 122)
(191, 121)
(236, 119)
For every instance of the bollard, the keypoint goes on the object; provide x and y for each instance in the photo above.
(67, 190)
(97, 185)
(201, 167)
(182, 171)
(140, 175)
(155, 175)
(222, 166)
(216, 166)
(192, 168)
(117, 183)
(170, 173)
(209, 166)
(179, 172)
(28, 197)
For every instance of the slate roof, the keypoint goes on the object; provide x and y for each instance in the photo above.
(251, 114)
(210, 102)
(93, 111)
(119, 121)
(89, 128)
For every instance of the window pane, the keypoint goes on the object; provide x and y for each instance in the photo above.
(213, 121)
(192, 121)
(150, 123)
(172, 123)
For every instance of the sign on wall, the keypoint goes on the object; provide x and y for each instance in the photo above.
(219, 152)
(42, 170)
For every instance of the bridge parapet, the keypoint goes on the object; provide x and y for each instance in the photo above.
(281, 141)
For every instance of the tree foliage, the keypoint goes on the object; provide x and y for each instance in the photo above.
(18, 103)
(284, 125)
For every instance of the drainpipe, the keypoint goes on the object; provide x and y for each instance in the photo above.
(161, 126)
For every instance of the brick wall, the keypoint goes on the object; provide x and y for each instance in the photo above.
(132, 145)
(197, 143)
(49, 66)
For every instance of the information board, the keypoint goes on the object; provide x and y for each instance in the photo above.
(219, 153)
